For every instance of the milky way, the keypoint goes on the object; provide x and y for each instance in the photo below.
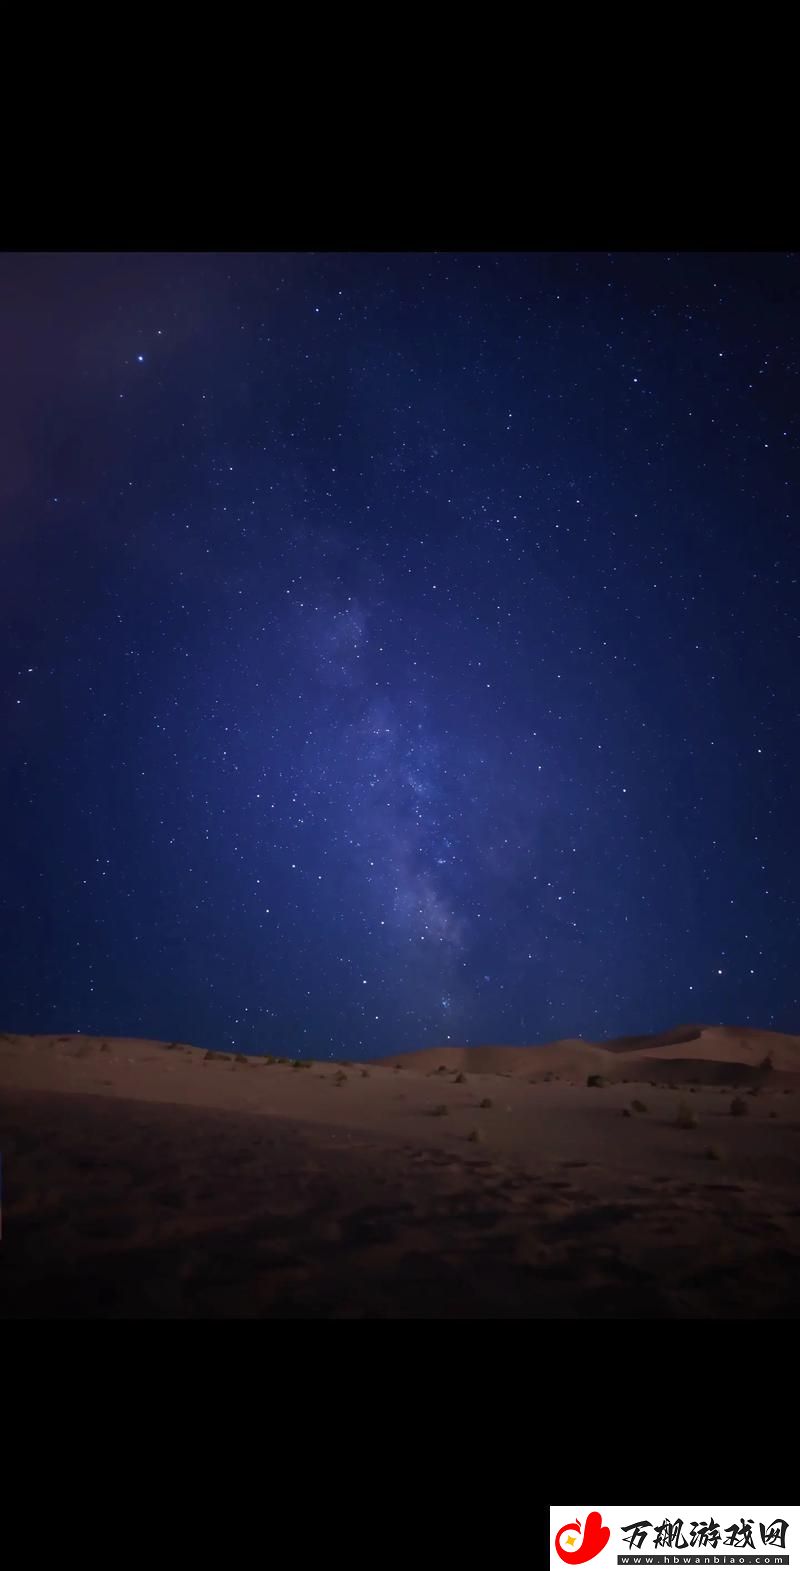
(398, 649)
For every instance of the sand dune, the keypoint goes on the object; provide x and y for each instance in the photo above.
(730, 1043)
(149, 1178)
(688, 1047)
(747, 1046)
(570, 1056)
(635, 1044)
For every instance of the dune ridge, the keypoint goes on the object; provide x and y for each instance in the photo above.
(709, 1052)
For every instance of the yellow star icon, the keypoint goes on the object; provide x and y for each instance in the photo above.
(571, 1540)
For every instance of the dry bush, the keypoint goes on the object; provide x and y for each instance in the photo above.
(685, 1117)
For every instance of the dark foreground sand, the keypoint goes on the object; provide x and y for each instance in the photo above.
(143, 1181)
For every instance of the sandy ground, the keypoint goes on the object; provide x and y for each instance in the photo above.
(141, 1179)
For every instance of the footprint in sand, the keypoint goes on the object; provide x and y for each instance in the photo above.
(592, 1219)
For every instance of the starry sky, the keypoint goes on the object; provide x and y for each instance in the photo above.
(398, 648)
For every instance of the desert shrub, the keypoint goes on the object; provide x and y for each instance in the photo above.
(460, 1078)
(282, 1060)
(596, 1080)
(738, 1107)
(439, 1110)
(365, 1074)
(475, 1134)
(626, 1112)
(487, 1102)
(638, 1107)
(713, 1153)
(240, 1059)
(339, 1078)
(773, 1114)
(685, 1117)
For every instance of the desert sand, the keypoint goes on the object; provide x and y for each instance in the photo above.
(151, 1179)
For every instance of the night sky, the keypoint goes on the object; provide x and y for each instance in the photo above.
(398, 648)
